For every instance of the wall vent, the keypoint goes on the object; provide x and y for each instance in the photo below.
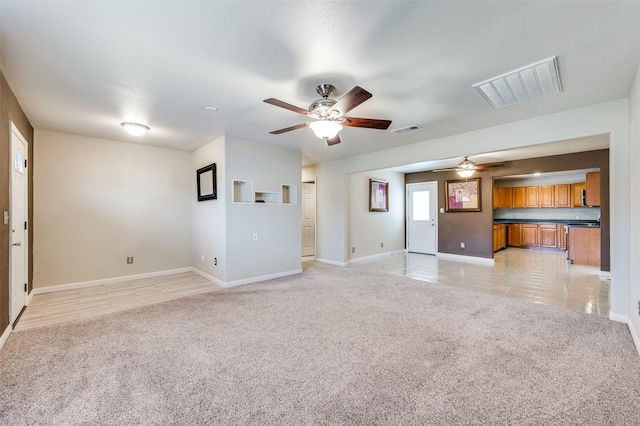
(405, 129)
(522, 85)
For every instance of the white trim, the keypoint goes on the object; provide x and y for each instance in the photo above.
(260, 278)
(619, 318)
(29, 297)
(605, 274)
(83, 284)
(332, 262)
(209, 277)
(635, 335)
(5, 335)
(375, 257)
(463, 258)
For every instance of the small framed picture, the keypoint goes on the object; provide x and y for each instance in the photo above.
(378, 195)
(463, 195)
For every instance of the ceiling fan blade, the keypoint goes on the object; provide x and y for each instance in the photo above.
(334, 140)
(285, 105)
(369, 123)
(454, 169)
(355, 97)
(482, 167)
(288, 129)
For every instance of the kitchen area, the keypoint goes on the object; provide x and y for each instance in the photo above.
(558, 211)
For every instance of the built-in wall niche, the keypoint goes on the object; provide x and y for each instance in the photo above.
(242, 191)
(289, 194)
(267, 197)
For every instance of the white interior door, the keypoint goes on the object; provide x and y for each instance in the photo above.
(422, 218)
(18, 219)
(308, 219)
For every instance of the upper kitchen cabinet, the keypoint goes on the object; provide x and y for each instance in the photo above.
(546, 196)
(562, 195)
(593, 189)
(518, 198)
(532, 197)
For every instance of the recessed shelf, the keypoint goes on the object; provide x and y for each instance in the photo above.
(289, 194)
(242, 191)
(267, 197)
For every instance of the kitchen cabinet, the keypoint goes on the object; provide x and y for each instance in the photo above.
(529, 234)
(593, 189)
(518, 198)
(502, 198)
(546, 196)
(576, 190)
(562, 237)
(514, 235)
(548, 235)
(562, 196)
(584, 246)
(531, 197)
(498, 237)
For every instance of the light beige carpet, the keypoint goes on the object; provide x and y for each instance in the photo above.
(329, 346)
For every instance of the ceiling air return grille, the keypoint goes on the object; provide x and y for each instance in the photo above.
(522, 85)
(406, 129)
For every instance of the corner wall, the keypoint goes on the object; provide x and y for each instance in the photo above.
(634, 225)
(100, 201)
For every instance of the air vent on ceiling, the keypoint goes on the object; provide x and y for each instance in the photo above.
(522, 85)
(405, 129)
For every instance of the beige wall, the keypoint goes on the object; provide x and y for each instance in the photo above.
(98, 201)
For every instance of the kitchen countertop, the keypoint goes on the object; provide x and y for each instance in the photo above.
(573, 223)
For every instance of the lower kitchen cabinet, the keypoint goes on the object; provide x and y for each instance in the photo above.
(529, 234)
(562, 237)
(548, 235)
(499, 241)
(584, 246)
(514, 235)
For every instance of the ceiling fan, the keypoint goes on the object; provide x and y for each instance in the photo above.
(466, 168)
(330, 114)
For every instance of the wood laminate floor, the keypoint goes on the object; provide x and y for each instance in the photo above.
(536, 276)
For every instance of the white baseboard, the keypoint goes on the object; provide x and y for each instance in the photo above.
(260, 278)
(605, 274)
(29, 297)
(5, 335)
(463, 258)
(209, 277)
(635, 335)
(618, 318)
(375, 257)
(83, 284)
(332, 262)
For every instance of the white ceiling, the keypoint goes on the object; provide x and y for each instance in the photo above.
(84, 67)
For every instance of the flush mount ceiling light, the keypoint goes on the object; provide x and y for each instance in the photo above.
(325, 129)
(522, 85)
(135, 129)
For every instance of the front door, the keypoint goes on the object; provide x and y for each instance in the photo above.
(308, 219)
(421, 217)
(18, 219)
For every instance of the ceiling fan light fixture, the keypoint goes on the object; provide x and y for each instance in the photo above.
(467, 164)
(325, 129)
(466, 173)
(135, 129)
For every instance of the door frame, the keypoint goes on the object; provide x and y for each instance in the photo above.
(406, 216)
(14, 132)
(315, 220)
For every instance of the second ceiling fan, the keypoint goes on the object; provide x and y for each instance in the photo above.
(330, 114)
(466, 168)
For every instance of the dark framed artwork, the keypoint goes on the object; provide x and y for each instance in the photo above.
(463, 195)
(207, 185)
(378, 195)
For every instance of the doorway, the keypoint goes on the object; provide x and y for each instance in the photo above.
(422, 225)
(308, 219)
(18, 270)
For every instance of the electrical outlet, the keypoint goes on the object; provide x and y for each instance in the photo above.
(353, 249)
(638, 307)
(577, 216)
(215, 261)
(255, 237)
(381, 244)
(129, 260)
(461, 245)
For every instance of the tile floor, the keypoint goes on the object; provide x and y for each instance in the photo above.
(538, 276)
(68, 305)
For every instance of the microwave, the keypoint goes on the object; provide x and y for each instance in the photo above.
(583, 198)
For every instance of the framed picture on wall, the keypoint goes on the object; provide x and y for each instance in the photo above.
(463, 195)
(378, 195)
